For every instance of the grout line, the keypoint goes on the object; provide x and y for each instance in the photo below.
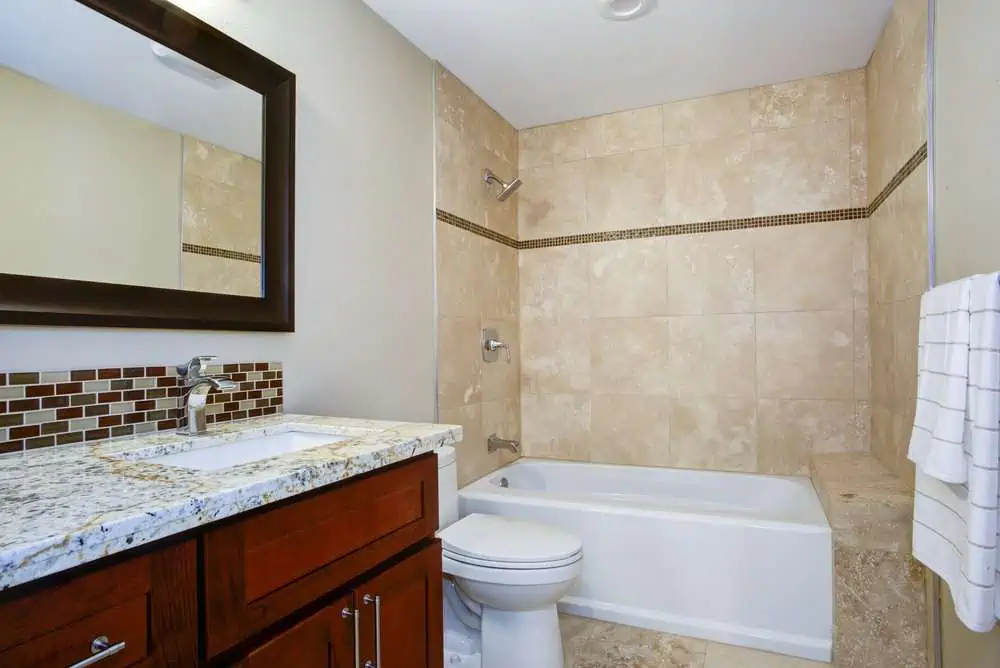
(212, 251)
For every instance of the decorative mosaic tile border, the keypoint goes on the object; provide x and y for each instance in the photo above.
(469, 226)
(854, 213)
(45, 409)
(220, 252)
(698, 228)
(897, 180)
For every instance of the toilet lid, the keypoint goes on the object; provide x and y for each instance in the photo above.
(504, 540)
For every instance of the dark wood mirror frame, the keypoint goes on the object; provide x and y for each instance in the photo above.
(30, 300)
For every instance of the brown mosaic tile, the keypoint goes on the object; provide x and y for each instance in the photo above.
(25, 432)
(146, 405)
(133, 372)
(69, 388)
(154, 371)
(133, 418)
(163, 425)
(40, 442)
(126, 430)
(11, 446)
(69, 438)
(23, 405)
(134, 395)
(3, 379)
(97, 409)
(109, 374)
(83, 399)
(83, 375)
(3, 407)
(109, 397)
(22, 378)
(54, 428)
(167, 381)
(96, 434)
(109, 421)
(39, 390)
(55, 402)
(11, 420)
(69, 413)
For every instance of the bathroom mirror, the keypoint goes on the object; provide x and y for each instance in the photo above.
(147, 170)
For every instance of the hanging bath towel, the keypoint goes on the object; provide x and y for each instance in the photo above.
(956, 444)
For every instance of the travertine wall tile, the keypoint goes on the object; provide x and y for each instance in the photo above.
(675, 322)
(625, 131)
(556, 425)
(711, 273)
(630, 429)
(713, 356)
(792, 430)
(628, 278)
(626, 190)
(806, 355)
(714, 433)
(552, 201)
(706, 118)
(805, 267)
(630, 355)
(803, 168)
(477, 278)
(801, 102)
(709, 180)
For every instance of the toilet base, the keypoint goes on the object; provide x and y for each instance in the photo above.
(521, 638)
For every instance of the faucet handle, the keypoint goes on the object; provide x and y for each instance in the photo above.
(195, 367)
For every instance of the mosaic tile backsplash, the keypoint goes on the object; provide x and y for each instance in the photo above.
(46, 409)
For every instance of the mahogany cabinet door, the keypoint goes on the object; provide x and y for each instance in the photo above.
(262, 568)
(324, 640)
(401, 614)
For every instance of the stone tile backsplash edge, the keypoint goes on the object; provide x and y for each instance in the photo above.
(804, 218)
(40, 409)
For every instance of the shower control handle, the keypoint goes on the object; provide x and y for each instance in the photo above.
(492, 345)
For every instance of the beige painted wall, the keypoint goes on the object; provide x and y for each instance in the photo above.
(741, 350)
(967, 213)
(477, 277)
(967, 138)
(897, 117)
(364, 340)
(88, 193)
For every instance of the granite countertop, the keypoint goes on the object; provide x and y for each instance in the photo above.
(64, 507)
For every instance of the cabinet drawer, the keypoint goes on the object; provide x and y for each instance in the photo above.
(125, 623)
(264, 567)
(148, 602)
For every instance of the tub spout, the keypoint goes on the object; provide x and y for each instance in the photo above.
(494, 443)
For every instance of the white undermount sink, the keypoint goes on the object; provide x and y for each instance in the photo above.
(212, 457)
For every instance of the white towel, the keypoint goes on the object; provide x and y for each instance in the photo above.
(956, 524)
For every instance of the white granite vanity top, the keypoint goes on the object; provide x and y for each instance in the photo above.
(62, 507)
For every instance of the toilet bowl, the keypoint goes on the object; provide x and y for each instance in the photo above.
(509, 575)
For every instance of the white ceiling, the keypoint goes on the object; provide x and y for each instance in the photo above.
(75, 49)
(545, 61)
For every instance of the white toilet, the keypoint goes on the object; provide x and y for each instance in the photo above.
(506, 576)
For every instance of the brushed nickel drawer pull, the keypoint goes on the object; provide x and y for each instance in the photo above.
(345, 613)
(101, 648)
(377, 600)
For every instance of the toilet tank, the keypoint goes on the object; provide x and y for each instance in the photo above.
(447, 487)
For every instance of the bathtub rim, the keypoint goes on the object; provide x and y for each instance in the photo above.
(483, 489)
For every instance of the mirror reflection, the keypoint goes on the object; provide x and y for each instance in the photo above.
(123, 161)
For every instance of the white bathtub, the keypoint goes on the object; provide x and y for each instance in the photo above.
(736, 558)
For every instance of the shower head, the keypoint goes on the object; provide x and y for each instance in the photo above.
(507, 189)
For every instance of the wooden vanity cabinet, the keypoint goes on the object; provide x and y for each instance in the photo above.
(394, 621)
(361, 552)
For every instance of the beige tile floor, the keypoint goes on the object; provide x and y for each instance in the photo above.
(588, 643)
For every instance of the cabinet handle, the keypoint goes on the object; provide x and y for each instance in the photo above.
(100, 648)
(377, 600)
(345, 613)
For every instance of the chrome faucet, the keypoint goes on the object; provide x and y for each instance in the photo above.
(199, 385)
(494, 443)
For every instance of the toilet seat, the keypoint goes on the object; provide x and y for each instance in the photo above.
(511, 576)
(504, 565)
(501, 542)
